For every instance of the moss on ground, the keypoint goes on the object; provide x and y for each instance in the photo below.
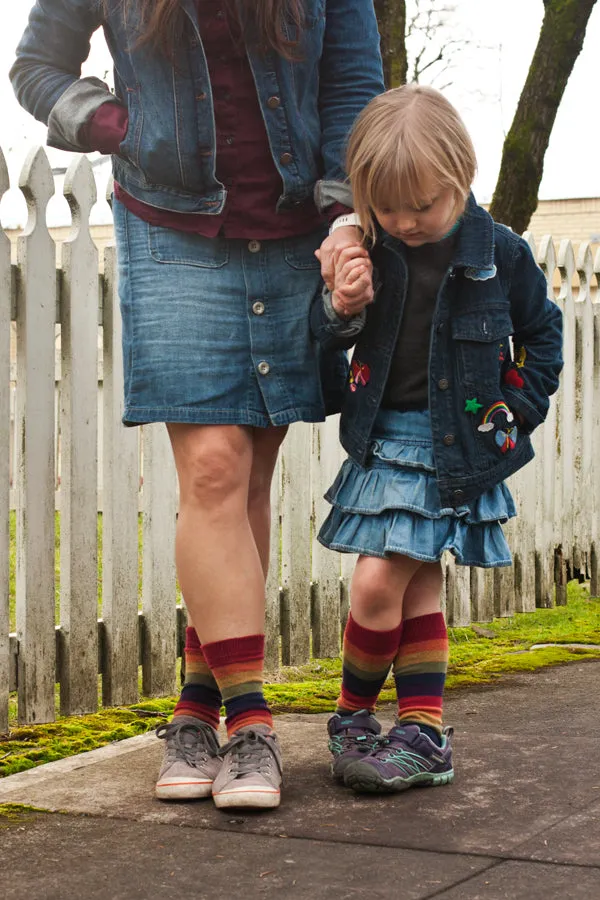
(474, 660)
(12, 814)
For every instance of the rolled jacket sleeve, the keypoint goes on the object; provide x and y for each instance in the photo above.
(46, 75)
(350, 76)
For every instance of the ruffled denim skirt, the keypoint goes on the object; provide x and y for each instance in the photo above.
(392, 504)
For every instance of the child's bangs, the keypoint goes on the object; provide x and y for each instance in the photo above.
(402, 180)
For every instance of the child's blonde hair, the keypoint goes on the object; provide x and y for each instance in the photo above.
(406, 142)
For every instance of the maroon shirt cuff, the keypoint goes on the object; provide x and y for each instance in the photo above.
(335, 210)
(107, 128)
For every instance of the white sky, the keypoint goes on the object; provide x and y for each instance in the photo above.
(486, 84)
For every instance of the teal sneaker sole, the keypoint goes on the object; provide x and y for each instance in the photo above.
(365, 780)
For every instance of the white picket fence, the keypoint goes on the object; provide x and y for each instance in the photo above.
(307, 591)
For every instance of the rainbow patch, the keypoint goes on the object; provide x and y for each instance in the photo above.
(499, 406)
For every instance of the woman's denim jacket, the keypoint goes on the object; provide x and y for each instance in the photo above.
(494, 357)
(168, 156)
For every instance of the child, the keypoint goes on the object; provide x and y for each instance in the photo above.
(452, 369)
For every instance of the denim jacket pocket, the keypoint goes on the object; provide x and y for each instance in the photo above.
(481, 341)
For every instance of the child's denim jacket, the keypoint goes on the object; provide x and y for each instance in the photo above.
(494, 357)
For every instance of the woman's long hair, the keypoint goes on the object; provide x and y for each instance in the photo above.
(163, 23)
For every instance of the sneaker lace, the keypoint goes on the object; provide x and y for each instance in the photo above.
(251, 752)
(188, 740)
(361, 743)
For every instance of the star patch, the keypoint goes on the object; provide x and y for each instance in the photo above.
(473, 406)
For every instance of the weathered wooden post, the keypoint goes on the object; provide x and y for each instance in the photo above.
(36, 319)
(120, 509)
(78, 659)
(5, 302)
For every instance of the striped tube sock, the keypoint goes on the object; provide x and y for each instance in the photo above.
(200, 695)
(237, 665)
(420, 672)
(366, 660)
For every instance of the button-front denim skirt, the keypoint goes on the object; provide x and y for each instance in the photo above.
(393, 505)
(217, 330)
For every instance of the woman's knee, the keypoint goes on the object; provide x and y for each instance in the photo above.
(213, 463)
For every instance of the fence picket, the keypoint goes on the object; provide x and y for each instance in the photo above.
(595, 415)
(119, 513)
(36, 319)
(584, 405)
(458, 593)
(547, 474)
(273, 585)
(295, 545)
(524, 554)
(5, 436)
(566, 403)
(325, 564)
(504, 576)
(78, 662)
(158, 563)
(482, 595)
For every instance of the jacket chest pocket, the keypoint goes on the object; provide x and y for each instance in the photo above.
(480, 342)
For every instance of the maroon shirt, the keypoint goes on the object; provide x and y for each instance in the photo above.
(244, 161)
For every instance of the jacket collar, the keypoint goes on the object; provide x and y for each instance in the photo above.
(475, 246)
(475, 250)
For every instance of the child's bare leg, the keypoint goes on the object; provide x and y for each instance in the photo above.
(378, 589)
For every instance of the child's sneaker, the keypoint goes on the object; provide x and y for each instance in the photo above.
(351, 737)
(404, 758)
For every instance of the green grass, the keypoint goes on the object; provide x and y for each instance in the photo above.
(474, 660)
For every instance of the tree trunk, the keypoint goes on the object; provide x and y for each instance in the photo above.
(391, 15)
(560, 41)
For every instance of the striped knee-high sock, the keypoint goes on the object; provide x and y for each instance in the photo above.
(237, 665)
(200, 695)
(420, 671)
(366, 660)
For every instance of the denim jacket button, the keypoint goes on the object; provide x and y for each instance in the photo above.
(459, 496)
(443, 384)
(449, 439)
(285, 159)
(273, 102)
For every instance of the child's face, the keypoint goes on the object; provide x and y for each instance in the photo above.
(423, 225)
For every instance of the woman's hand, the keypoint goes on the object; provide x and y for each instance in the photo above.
(352, 282)
(346, 236)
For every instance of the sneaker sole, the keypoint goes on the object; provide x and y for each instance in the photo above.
(183, 790)
(367, 781)
(247, 799)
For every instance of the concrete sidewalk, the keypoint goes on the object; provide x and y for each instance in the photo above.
(520, 821)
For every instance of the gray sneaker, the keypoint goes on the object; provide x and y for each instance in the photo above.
(191, 762)
(251, 773)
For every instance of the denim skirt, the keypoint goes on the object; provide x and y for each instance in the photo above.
(392, 504)
(216, 331)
